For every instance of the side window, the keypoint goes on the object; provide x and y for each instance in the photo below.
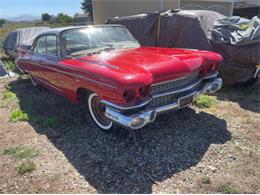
(41, 45)
(52, 45)
(47, 45)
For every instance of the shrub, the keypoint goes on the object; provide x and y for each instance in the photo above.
(18, 116)
(26, 167)
(205, 101)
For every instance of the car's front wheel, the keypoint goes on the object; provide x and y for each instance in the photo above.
(97, 111)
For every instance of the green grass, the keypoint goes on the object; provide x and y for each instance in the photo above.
(206, 101)
(24, 154)
(26, 167)
(21, 152)
(8, 96)
(18, 115)
(227, 189)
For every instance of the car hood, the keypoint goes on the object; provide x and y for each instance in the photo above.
(159, 63)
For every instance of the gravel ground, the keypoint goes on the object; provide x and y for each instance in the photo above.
(189, 151)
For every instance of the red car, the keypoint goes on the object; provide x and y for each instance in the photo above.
(121, 81)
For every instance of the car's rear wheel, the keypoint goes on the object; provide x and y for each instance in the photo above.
(97, 111)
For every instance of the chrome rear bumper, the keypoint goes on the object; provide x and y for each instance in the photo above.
(147, 115)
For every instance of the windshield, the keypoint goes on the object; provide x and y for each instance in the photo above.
(91, 40)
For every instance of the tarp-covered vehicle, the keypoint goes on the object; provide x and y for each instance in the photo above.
(21, 37)
(238, 40)
(193, 29)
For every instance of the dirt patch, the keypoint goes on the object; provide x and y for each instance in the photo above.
(192, 150)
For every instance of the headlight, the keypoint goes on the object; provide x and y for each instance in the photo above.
(129, 95)
(145, 91)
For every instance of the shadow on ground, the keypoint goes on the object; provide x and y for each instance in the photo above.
(110, 162)
(247, 96)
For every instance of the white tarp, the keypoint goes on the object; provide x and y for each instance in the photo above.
(5, 73)
(18, 37)
(237, 31)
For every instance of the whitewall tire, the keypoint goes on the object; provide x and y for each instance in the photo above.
(97, 112)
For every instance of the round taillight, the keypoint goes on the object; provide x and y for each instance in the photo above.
(129, 95)
(145, 91)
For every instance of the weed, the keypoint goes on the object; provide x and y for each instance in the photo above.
(21, 152)
(205, 180)
(9, 96)
(205, 101)
(18, 115)
(227, 189)
(26, 167)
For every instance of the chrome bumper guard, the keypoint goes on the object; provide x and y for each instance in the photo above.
(148, 115)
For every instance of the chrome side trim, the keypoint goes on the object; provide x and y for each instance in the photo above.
(99, 63)
(74, 75)
(50, 85)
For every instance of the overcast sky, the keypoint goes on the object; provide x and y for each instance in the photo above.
(13, 8)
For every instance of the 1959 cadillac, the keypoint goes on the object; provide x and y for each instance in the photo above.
(121, 81)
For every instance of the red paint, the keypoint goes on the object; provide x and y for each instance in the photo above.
(109, 74)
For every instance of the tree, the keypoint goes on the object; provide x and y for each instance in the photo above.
(2, 21)
(46, 17)
(87, 8)
(64, 18)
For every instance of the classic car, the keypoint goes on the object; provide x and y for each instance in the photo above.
(122, 82)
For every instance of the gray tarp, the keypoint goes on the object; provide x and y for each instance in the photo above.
(193, 29)
(237, 31)
(187, 29)
(173, 28)
(18, 37)
(238, 40)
